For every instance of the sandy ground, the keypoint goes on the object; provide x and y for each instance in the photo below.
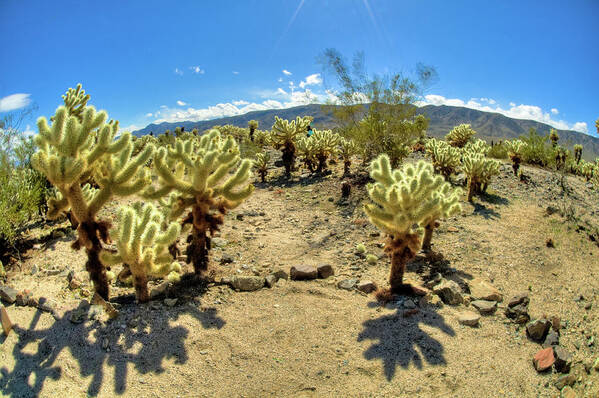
(311, 338)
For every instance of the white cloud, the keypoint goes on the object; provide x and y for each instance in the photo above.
(240, 102)
(129, 128)
(312, 80)
(235, 72)
(28, 132)
(149, 114)
(197, 70)
(281, 91)
(554, 111)
(522, 111)
(181, 103)
(14, 101)
(286, 72)
(178, 72)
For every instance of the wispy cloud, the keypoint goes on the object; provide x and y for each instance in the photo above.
(197, 70)
(281, 91)
(280, 80)
(149, 114)
(181, 103)
(178, 72)
(311, 80)
(522, 111)
(287, 73)
(14, 101)
(240, 102)
(235, 72)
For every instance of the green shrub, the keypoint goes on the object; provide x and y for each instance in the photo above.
(537, 151)
(498, 151)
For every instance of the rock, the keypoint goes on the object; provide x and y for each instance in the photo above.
(431, 299)
(347, 284)
(270, 280)
(8, 294)
(79, 314)
(47, 305)
(437, 278)
(325, 270)
(303, 272)
(5, 321)
(563, 359)
(452, 229)
(552, 339)
(227, 258)
(537, 329)
(556, 323)
(483, 290)
(32, 302)
(34, 269)
(246, 283)
(449, 291)
(518, 313)
(366, 286)
(568, 392)
(218, 242)
(520, 298)
(170, 302)
(280, 274)
(74, 284)
(108, 308)
(469, 318)
(409, 304)
(543, 359)
(23, 297)
(485, 307)
(565, 380)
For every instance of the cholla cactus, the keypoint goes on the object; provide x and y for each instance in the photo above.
(347, 149)
(577, 153)
(445, 158)
(209, 179)
(261, 164)
(403, 199)
(325, 145)
(554, 137)
(448, 205)
(515, 150)
(284, 137)
(76, 146)
(479, 171)
(142, 242)
(262, 138)
(477, 146)
(460, 135)
(586, 169)
(59, 206)
(252, 125)
(75, 100)
(561, 155)
(306, 149)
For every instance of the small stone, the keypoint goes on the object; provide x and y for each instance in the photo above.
(485, 307)
(34, 269)
(280, 274)
(347, 284)
(520, 298)
(23, 298)
(450, 292)
(469, 318)
(452, 229)
(46, 305)
(159, 290)
(568, 392)
(483, 290)
(409, 304)
(32, 302)
(518, 313)
(537, 329)
(437, 278)
(543, 359)
(303, 272)
(5, 320)
(551, 340)
(170, 302)
(565, 380)
(366, 286)
(247, 283)
(325, 270)
(74, 284)
(563, 359)
(8, 294)
(218, 242)
(270, 280)
(555, 323)
(227, 258)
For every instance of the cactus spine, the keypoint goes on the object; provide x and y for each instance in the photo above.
(78, 145)
(142, 241)
(208, 178)
(402, 199)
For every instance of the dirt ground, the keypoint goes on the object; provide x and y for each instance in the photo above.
(311, 338)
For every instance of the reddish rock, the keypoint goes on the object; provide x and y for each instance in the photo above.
(325, 270)
(303, 272)
(543, 359)
(6, 323)
(409, 313)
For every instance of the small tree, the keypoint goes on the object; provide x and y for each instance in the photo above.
(460, 135)
(403, 199)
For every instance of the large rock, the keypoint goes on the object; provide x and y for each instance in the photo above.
(450, 292)
(366, 286)
(518, 299)
(325, 270)
(485, 307)
(247, 283)
(483, 290)
(565, 380)
(537, 329)
(469, 318)
(563, 359)
(543, 359)
(303, 272)
(8, 294)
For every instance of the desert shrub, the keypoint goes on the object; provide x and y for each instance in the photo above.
(479, 169)
(577, 153)
(325, 146)
(536, 152)
(498, 151)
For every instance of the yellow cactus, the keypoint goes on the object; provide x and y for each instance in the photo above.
(460, 135)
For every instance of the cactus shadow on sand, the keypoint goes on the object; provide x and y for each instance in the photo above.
(402, 341)
(94, 345)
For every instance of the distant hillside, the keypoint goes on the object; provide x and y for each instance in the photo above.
(489, 125)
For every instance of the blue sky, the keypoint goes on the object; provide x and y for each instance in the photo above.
(147, 61)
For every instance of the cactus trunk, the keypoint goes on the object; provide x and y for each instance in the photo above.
(322, 163)
(141, 287)
(288, 158)
(471, 188)
(346, 166)
(402, 249)
(428, 235)
(197, 251)
(97, 272)
(262, 175)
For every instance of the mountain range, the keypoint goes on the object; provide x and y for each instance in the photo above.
(488, 125)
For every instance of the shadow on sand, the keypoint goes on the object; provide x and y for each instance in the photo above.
(94, 344)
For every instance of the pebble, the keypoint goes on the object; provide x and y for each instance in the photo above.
(543, 359)
(565, 380)
(485, 307)
(325, 270)
(270, 280)
(347, 284)
(537, 329)
(469, 318)
(8, 294)
(520, 298)
(450, 292)
(563, 359)
(568, 392)
(483, 290)
(552, 339)
(170, 302)
(366, 286)
(247, 283)
(280, 274)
